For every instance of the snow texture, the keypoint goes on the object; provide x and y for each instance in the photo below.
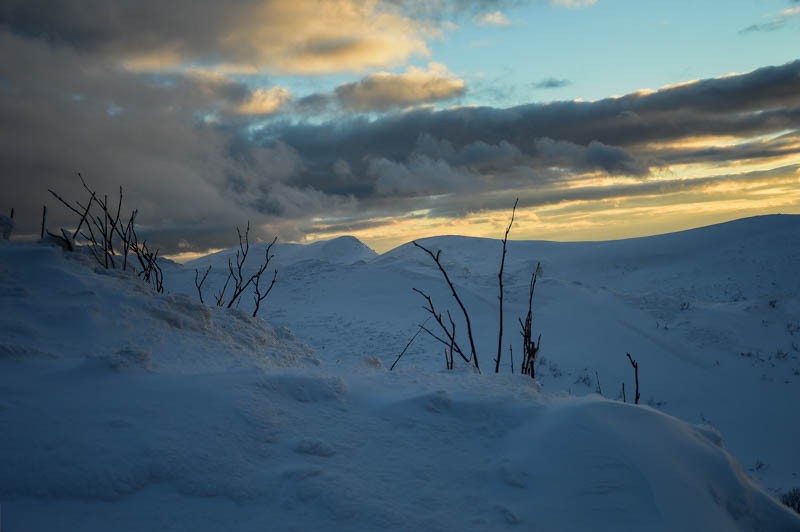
(6, 226)
(127, 410)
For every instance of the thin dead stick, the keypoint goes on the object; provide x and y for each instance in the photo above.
(500, 282)
(403, 352)
(435, 257)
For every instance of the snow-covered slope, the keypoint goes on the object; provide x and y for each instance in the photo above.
(712, 315)
(127, 410)
(344, 250)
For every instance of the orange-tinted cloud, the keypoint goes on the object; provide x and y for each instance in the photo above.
(384, 90)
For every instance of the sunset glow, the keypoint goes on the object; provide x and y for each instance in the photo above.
(393, 121)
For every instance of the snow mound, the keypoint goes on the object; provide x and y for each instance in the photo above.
(124, 409)
(307, 450)
(344, 250)
(711, 314)
(61, 305)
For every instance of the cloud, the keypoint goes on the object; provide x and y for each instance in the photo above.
(495, 18)
(420, 176)
(384, 90)
(189, 179)
(757, 103)
(285, 37)
(551, 83)
(263, 102)
(573, 4)
(777, 22)
(764, 26)
(594, 156)
(196, 155)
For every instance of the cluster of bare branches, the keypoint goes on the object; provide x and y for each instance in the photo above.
(637, 396)
(449, 331)
(447, 327)
(238, 279)
(109, 239)
(530, 347)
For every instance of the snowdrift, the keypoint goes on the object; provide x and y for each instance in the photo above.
(127, 410)
(712, 315)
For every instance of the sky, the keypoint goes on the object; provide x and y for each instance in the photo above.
(400, 119)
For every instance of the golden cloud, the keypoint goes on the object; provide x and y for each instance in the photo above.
(316, 37)
(264, 101)
(385, 90)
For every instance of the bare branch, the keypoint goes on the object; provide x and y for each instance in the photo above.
(474, 354)
(220, 299)
(256, 278)
(635, 365)
(237, 273)
(411, 341)
(500, 282)
(449, 333)
(44, 220)
(199, 282)
(530, 348)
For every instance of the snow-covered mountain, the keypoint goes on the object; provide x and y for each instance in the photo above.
(344, 250)
(125, 409)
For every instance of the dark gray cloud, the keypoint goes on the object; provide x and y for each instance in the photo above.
(782, 146)
(778, 21)
(177, 167)
(607, 135)
(239, 34)
(551, 83)
(772, 25)
(195, 168)
(147, 25)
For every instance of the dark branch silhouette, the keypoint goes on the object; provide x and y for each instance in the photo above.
(435, 257)
(198, 282)
(530, 348)
(411, 341)
(635, 365)
(500, 282)
(260, 296)
(450, 333)
(103, 234)
(241, 282)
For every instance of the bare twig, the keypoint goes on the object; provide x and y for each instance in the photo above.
(258, 296)
(500, 282)
(237, 273)
(199, 282)
(635, 365)
(256, 278)
(530, 348)
(220, 298)
(450, 343)
(435, 257)
(411, 341)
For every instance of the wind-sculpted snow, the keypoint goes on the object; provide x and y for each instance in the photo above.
(62, 306)
(123, 409)
(712, 314)
(299, 450)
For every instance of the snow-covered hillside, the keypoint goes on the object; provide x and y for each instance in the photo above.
(123, 409)
(712, 315)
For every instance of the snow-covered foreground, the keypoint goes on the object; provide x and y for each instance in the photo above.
(125, 410)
